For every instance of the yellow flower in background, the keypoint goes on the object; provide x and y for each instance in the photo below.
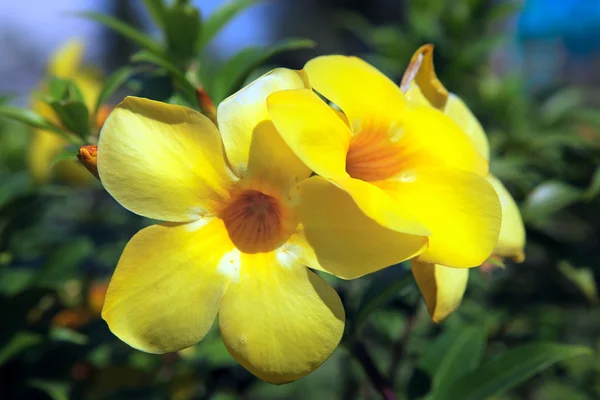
(443, 287)
(408, 167)
(244, 224)
(65, 63)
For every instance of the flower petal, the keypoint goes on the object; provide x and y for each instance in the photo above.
(462, 115)
(340, 239)
(431, 138)
(460, 208)
(252, 145)
(280, 321)
(166, 290)
(442, 287)
(363, 93)
(162, 161)
(512, 233)
(312, 130)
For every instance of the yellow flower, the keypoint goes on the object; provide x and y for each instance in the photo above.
(443, 287)
(243, 225)
(408, 167)
(65, 63)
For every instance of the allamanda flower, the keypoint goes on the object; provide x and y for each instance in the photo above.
(408, 167)
(443, 287)
(244, 223)
(65, 63)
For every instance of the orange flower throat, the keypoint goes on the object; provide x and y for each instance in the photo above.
(372, 156)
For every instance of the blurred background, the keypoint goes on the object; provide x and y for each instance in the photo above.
(529, 70)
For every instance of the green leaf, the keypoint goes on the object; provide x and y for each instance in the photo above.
(14, 185)
(30, 118)
(454, 354)
(230, 77)
(60, 334)
(218, 19)
(583, 278)
(384, 285)
(548, 198)
(74, 116)
(112, 84)
(510, 369)
(15, 280)
(136, 36)
(156, 9)
(560, 105)
(68, 154)
(64, 262)
(176, 74)
(55, 390)
(593, 189)
(19, 343)
(182, 28)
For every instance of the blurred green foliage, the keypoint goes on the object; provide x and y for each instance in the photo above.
(59, 244)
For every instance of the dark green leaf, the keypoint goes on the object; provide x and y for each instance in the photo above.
(583, 278)
(455, 353)
(70, 153)
(510, 369)
(74, 116)
(14, 185)
(548, 198)
(30, 118)
(593, 189)
(232, 75)
(560, 105)
(61, 334)
(177, 75)
(15, 280)
(112, 84)
(126, 30)
(383, 287)
(156, 9)
(19, 343)
(64, 262)
(213, 24)
(55, 390)
(182, 28)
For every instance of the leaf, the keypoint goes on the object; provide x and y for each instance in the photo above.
(61, 334)
(64, 262)
(510, 369)
(112, 84)
(218, 19)
(384, 285)
(74, 116)
(232, 75)
(583, 278)
(124, 29)
(593, 189)
(30, 118)
(560, 105)
(68, 154)
(15, 280)
(156, 9)
(182, 28)
(14, 185)
(55, 390)
(455, 353)
(19, 343)
(177, 75)
(548, 198)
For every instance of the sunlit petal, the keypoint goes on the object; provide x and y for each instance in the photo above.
(512, 234)
(278, 319)
(166, 290)
(162, 161)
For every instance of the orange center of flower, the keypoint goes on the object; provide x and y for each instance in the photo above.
(372, 156)
(256, 222)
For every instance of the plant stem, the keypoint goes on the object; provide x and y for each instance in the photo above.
(358, 350)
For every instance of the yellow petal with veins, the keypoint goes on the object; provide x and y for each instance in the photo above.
(167, 288)
(312, 129)
(421, 73)
(460, 208)
(442, 287)
(364, 94)
(278, 319)
(340, 239)
(511, 242)
(252, 144)
(163, 161)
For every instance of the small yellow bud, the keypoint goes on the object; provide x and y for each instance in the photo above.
(88, 155)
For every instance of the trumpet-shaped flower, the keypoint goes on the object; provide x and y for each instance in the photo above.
(243, 225)
(65, 63)
(443, 287)
(408, 167)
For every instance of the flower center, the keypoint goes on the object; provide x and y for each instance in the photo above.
(256, 222)
(372, 156)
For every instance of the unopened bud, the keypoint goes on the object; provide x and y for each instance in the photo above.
(88, 155)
